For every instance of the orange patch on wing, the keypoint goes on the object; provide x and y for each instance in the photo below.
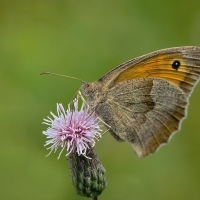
(159, 67)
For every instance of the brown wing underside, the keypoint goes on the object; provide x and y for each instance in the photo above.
(144, 112)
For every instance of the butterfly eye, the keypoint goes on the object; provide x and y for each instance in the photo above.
(87, 85)
(176, 64)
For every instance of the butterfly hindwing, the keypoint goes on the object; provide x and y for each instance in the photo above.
(144, 112)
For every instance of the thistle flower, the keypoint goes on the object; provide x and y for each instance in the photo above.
(73, 130)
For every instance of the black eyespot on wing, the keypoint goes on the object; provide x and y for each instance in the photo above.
(176, 64)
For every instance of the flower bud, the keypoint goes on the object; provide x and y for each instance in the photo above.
(88, 174)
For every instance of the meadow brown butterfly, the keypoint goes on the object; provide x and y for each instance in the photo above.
(144, 100)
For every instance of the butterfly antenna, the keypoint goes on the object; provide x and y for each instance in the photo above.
(43, 73)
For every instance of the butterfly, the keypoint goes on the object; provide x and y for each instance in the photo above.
(144, 100)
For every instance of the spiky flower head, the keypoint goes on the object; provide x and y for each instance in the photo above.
(71, 129)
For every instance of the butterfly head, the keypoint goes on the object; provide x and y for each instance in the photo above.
(91, 91)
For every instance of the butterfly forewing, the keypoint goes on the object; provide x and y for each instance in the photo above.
(159, 64)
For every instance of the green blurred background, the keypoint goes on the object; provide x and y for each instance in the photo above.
(86, 39)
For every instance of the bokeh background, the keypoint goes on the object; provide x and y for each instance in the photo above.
(86, 39)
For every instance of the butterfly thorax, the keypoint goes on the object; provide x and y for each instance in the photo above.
(91, 91)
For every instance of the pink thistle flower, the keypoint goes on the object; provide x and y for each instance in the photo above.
(73, 130)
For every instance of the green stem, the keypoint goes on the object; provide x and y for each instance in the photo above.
(94, 198)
